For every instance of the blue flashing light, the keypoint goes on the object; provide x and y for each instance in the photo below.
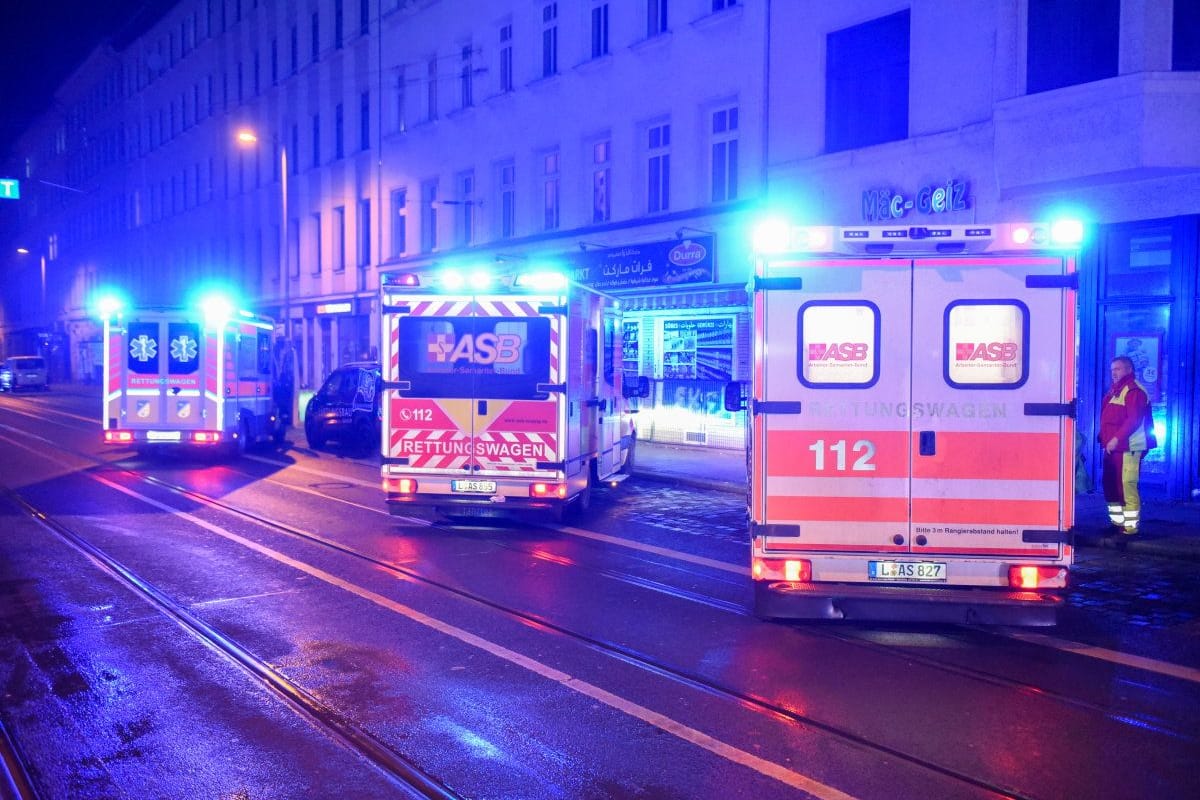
(217, 310)
(771, 236)
(108, 305)
(481, 279)
(453, 279)
(1066, 231)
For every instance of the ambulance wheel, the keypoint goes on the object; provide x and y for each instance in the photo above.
(242, 443)
(277, 435)
(627, 467)
(364, 437)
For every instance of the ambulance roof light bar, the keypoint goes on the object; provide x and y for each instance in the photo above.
(774, 238)
(108, 306)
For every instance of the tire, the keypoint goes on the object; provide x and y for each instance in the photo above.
(315, 440)
(364, 437)
(627, 467)
(278, 435)
(242, 443)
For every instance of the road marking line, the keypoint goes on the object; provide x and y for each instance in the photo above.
(1112, 656)
(649, 716)
(650, 548)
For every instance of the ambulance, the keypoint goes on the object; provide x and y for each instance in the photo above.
(503, 393)
(910, 422)
(196, 377)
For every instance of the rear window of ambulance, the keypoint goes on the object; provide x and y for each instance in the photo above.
(476, 357)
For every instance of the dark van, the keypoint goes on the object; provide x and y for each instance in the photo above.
(347, 408)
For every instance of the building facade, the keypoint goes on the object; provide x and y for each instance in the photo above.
(634, 142)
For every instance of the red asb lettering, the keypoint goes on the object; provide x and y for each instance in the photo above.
(986, 351)
(835, 351)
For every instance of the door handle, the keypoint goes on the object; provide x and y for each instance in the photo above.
(482, 407)
(928, 443)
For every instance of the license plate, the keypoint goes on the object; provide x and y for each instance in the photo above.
(473, 486)
(163, 436)
(920, 571)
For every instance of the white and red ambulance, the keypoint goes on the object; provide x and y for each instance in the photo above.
(502, 392)
(187, 376)
(911, 422)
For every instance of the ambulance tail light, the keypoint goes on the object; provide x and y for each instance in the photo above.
(393, 486)
(206, 437)
(1031, 576)
(792, 570)
(118, 437)
(557, 491)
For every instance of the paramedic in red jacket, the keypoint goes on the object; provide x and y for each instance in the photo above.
(1123, 434)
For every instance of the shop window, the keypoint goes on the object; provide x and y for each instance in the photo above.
(1140, 332)
(698, 348)
(631, 364)
(1071, 42)
(985, 344)
(1185, 36)
(1138, 262)
(838, 345)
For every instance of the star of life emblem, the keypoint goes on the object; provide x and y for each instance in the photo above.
(183, 348)
(143, 348)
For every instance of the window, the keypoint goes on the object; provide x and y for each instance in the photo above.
(464, 223)
(838, 345)
(986, 344)
(295, 149)
(144, 351)
(364, 121)
(257, 75)
(866, 83)
(315, 256)
(364, 17)
(549, 39)
(316, 140)
(721, 5)
(431, 98)
(506, 56)
(550, 186)
(240, 87)
(295, 49)
(599, 29)
(431, 361)
(401, 98)
(339, 144)
(601, 168)
(339, 238)
(399, 217)
(429, 193)
(724, 154)
(658, 189)
(338, 15)
(506, 173)
(466, 78)
(274, 62)
(316, 36)
(293, 246)
(656, 17)
(1185, 37)
(1071, 42)
(363, 228)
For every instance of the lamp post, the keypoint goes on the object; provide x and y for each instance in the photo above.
(246, 137)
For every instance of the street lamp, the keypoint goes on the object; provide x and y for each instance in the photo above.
(246, 137)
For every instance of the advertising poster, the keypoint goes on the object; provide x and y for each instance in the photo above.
(1145, 351)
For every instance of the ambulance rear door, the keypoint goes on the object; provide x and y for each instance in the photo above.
(831, 459)
(472, 388)
(991, 387)
(170, 369)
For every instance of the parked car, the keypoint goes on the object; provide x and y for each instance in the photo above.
(23, 372)
(347, 408)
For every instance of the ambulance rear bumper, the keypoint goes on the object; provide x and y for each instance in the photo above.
(781, 600)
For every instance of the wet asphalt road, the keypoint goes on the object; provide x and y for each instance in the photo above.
(609, 657)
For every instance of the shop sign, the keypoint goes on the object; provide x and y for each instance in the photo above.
(652, 265)
(885, 205)
(335, 308)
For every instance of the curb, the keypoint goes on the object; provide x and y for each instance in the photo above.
(687, 480)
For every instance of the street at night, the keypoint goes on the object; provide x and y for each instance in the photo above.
(202, 626)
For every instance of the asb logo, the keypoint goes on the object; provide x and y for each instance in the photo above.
(835, 351)
(485, 348)
(985, 351)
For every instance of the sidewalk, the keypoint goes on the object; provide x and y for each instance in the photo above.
(1169, 529)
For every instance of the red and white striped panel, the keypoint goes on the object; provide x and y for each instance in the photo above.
(555, 338)
(430, 449)
(514, 451)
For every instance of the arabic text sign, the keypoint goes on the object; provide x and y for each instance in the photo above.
(647, 266)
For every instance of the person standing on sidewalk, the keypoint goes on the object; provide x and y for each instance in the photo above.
(1124, 433)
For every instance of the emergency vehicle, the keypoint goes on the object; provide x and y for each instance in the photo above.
(911, 422)
(502, 393)
(187, 376)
